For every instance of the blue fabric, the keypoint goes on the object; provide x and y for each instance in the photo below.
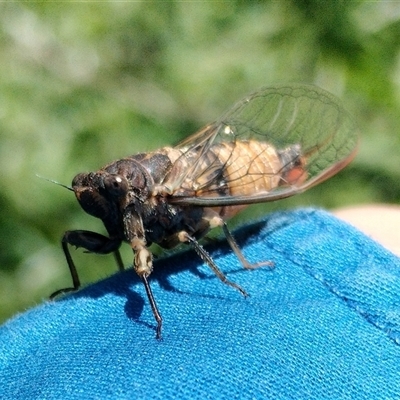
(325, 323)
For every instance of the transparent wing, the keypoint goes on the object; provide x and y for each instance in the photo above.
(275, 143)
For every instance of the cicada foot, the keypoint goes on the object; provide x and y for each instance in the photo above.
(62, 292)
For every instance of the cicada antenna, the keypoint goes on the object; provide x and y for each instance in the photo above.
(57, 183)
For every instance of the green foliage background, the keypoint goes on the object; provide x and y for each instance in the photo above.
(82, 84)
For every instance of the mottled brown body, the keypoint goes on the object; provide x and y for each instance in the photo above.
(264, 148)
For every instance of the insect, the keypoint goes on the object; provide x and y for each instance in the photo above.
(277, 142)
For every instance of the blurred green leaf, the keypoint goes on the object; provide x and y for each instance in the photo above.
(83, 84)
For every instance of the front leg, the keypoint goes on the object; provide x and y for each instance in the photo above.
(143, 260)
(143, 264)
(92, 242)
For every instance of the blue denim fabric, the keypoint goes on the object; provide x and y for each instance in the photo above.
(323, 324)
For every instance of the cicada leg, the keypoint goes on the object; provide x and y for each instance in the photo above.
(92, 242)
(236, 249)
(143, 264)
(185, 237)
(214, 220)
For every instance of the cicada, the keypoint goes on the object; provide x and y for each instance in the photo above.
(275, 143)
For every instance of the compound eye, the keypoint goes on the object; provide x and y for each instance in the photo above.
(116, 185)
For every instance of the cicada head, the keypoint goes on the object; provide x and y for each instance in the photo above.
(98, 193)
